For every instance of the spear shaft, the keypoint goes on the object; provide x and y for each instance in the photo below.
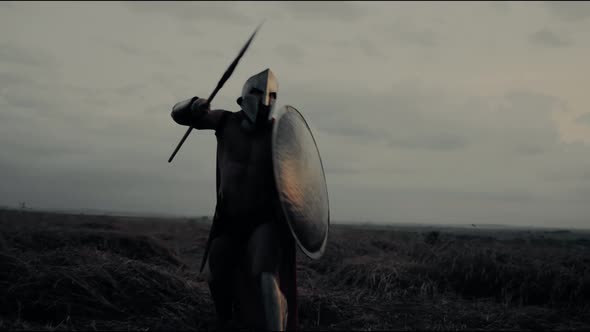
(220, 84)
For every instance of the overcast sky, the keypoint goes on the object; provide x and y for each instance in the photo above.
(423, 112)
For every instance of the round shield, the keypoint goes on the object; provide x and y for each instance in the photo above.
(300, 181)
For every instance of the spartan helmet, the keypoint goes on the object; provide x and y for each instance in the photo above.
(258, 95)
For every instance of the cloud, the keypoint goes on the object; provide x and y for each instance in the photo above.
(13, 79)
(369, 48)
(569, 174)
(416, 37)
(443, 141)
(569, 11)
(137, 51)
(128, 49)
(29, 102)
(340, 11)
(494, 151)
(13, 53)
(404, 32)
(23, 92)
(548, 38)
(129, 89)
(433, 138)
(408, 116)
(343, 170)
(500, 6)
(160, 109)
(209, 53)
(194, 11)
(584, 119)
(291, 53)
(108, 188)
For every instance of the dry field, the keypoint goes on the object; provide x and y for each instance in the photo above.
(81, 272)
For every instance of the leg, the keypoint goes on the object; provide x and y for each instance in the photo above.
(264, 258)
(221, 266)
(288, 278)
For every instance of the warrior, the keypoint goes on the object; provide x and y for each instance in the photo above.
(252, 253)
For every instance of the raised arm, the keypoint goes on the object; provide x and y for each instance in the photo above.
(196, 113)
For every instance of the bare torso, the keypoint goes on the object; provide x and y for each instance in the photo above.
(244, 166)
(246, 180)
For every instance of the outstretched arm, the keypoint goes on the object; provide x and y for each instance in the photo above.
(195, 112)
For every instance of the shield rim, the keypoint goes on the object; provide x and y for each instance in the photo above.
(278, 114)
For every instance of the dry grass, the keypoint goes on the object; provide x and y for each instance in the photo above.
(86, 273)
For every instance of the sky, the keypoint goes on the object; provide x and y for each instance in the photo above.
(423, 112)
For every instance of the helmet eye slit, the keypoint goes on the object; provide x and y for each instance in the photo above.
(256, 92)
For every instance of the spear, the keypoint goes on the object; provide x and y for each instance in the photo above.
(224, 79)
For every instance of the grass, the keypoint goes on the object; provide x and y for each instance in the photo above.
(74, 272)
